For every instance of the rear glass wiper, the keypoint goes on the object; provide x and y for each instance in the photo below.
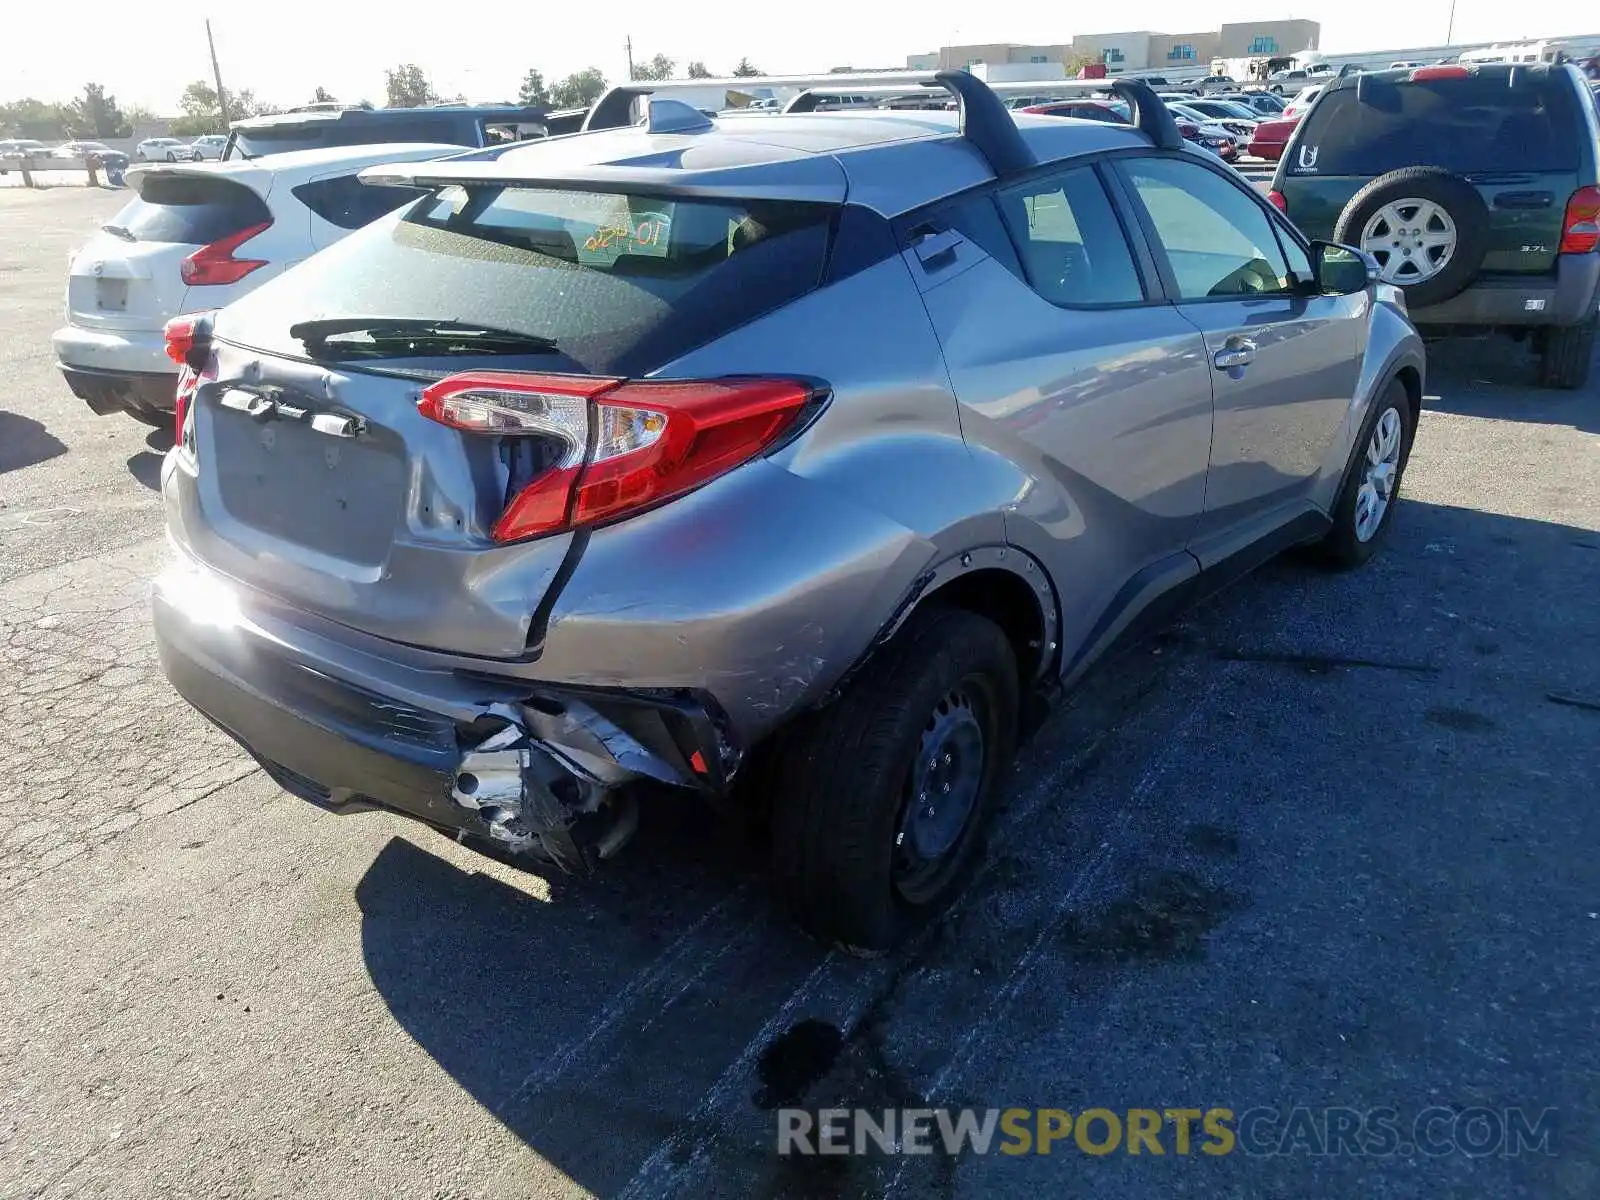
(382, 335)
(121, 231)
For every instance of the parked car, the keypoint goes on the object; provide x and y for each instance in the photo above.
(460, 125)
(1303, 100)
(14, 150)
(1265, 105)
(198, 237)
(209, 147)
(1475, 188)
(1239, 121)
(1233, 132)
(97, 150)
(1270, 137)
(1209, 84)
(163, 149)
(785, 476)
(1113, 111)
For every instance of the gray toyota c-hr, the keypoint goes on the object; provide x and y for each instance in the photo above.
(786, 458)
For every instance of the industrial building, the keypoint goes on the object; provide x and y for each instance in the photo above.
(1137, 51)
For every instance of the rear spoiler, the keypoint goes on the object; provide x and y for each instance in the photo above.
(984, 121)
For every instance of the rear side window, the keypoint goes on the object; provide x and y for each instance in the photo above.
(190, 209)
(1071, 244)
(348, 203)
(1479, 123)
(621, 283)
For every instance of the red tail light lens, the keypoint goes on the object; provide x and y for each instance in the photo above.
(624, 446)
(188, 340)
(1185, 129)
(1423, 74)
(1278, 201)
(215, 263)
(1580, 231)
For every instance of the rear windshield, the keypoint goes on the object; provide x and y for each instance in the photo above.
(621, 283)
(1479, 123)
(190, 209)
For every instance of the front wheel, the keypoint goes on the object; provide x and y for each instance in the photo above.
(883, 795)
(1365, 507)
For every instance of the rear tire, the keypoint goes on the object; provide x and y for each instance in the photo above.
(1434, 185)
(1354, 538)
(1565, 355)
(933, 719)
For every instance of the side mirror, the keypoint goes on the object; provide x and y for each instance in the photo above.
(1342, 270)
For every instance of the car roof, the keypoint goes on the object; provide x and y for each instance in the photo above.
(384, 116)
(262, 172)
(891, 161)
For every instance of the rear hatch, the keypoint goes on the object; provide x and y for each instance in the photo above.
(1514, 133)
(131, 274)
(316, 477)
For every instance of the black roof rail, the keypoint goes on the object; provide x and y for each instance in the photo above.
(614, 110)
(987, 123)
(1148, 113)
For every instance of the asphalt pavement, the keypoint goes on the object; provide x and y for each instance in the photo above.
(1329, 842)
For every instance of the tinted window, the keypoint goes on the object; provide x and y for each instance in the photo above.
(191, 209)
(1216, 237)
(1479, 123)
(621, 283)
(1071, 244)
(348, 203)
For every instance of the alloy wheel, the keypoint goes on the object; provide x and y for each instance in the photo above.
(1380, 474)
(1412, 239)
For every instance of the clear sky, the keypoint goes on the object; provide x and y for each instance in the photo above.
(144, 51)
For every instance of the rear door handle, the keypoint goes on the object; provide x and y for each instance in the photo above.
(1235, 356)
(933, 246)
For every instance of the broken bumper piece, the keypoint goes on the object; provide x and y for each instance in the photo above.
(545, 775)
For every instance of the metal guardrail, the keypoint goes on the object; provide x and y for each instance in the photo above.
(28, 164)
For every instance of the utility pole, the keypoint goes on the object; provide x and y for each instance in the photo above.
(216, 72)
(628, 43)
(1450, 29)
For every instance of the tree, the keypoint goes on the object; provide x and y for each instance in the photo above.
(140, 117)
(96, 115)
(32, 118)
(697, 70)
(533, 91)
(408, 87)
(659, 67)
(746, 68)
(323, 96)
(579, 90)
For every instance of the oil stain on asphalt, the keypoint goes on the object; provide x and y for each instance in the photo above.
(1167, 916)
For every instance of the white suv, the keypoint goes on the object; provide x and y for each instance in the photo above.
(198, 237)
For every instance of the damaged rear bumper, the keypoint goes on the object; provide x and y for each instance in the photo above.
(528, 769)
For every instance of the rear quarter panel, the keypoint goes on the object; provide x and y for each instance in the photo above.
(765, 586)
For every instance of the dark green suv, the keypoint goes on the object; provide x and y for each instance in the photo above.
(1475, 188)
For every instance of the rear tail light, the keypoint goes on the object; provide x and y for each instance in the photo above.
(1423, 74)
(1580, 231)
(1185, 129)
(216, 264)
(1278, 201)
(188, 340)
(624, 446)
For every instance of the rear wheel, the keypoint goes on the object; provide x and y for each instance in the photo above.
(884, 794)
(1565, 355)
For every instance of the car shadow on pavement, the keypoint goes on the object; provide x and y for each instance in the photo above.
(24, 441)
(634, 1027)
(145, 466)
(1471, 377)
